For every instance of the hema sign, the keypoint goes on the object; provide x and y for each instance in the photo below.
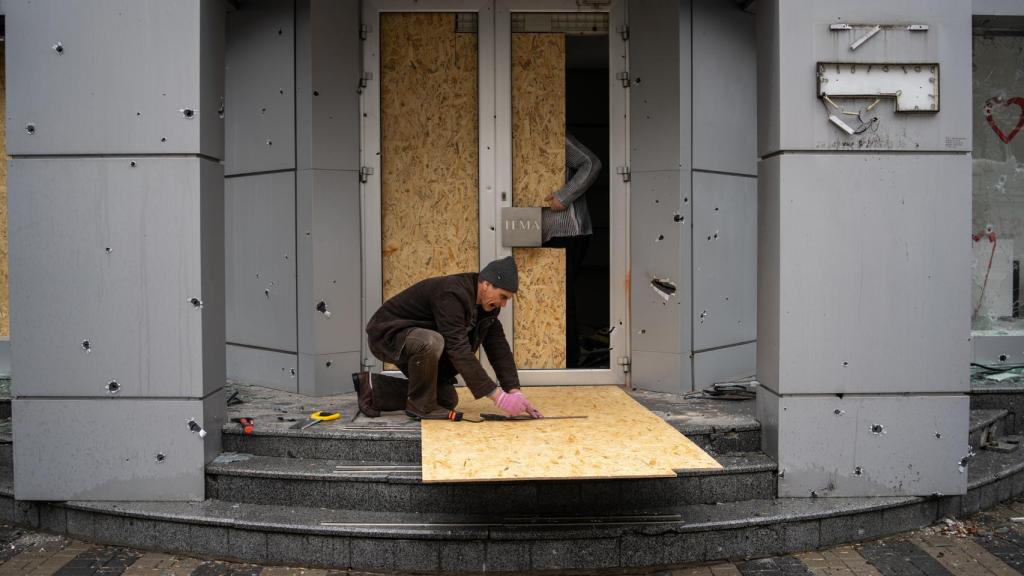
(521, 227)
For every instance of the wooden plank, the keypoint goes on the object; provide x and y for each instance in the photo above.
(538, 169)
(618, 439)
(429, 149)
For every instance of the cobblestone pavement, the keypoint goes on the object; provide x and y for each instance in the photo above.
(988, 544)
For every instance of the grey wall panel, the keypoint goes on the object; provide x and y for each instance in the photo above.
(767, 410)
(997, 7)
(724, 88)
(872, 446)
(261, 260)
(260, 84)
(805, 39)
(278, 370)
(659, 61)
(329, 262)
(724, 365)
(211, 78)
(661, 372)
(110, 253)
(108, 449)
(997, 350)
(659, 250)
(724, 259)
(873, 286)
(328, 53)
(768, 273)
(118, 83)
(211, 243)
(328, 374)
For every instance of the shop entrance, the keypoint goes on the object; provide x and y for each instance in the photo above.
(474, 107)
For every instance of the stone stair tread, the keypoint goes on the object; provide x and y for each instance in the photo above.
(340, 470)
(986, 417)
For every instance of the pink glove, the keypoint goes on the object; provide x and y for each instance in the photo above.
(514, 403)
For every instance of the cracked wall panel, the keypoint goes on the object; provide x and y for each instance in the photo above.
(331, 373)
(327, 70)
(724, 88)
(724, 260)
(329, 253)
(260, 249)
(799, 120)
(260, 83)
(877, 446)
(869, 291)
(148, 455)
(100, 80)
(108, 253)
(268, 368)
(660, 255)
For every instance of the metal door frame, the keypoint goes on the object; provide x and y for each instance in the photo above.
(494, 83)
(618, 147)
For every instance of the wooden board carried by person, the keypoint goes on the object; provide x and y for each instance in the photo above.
(619, 438)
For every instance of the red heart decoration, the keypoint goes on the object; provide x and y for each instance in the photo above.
(991, 121)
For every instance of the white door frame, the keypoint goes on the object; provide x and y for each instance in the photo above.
(494, 42)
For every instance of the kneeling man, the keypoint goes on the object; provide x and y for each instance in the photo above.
(432, 331)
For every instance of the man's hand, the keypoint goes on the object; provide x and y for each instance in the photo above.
(514, 403)
(554, 203)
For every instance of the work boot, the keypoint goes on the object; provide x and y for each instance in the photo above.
(364, 394)
(438, 414)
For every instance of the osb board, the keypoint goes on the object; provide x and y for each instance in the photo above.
(429, 149)
(619, 438)
(5, 308)
(538, 169)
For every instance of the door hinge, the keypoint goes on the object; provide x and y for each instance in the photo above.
(364, 79)
(626, 362)
(624, 171)
(364, 32)
(364, 173)
(624, 76)
(623, 31)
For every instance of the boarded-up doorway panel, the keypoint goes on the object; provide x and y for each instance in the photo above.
(429, 149)
(538, 169)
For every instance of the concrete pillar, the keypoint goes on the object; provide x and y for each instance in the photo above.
(863, 260)
(116, 246)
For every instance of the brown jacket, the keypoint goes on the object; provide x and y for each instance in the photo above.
(447, 304)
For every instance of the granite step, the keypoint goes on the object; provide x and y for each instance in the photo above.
(593, 540)
(988, 425)
(389, 487)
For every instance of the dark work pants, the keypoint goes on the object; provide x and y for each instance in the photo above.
(431, 376)
(575, 250)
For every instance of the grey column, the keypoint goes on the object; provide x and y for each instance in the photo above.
(863, 261)
(329, 239)
(660, 194)
(116, 246)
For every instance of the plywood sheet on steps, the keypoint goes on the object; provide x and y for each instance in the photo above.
(618, 439)
(429, 149)
(538, 169)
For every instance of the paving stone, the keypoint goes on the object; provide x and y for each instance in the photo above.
(901, 558)
(778, 566)
(1007, 547)
(99, 560)
(214, 568)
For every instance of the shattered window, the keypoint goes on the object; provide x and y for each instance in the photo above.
(998, 183)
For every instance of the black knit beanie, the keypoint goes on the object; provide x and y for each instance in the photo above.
(502, 273)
